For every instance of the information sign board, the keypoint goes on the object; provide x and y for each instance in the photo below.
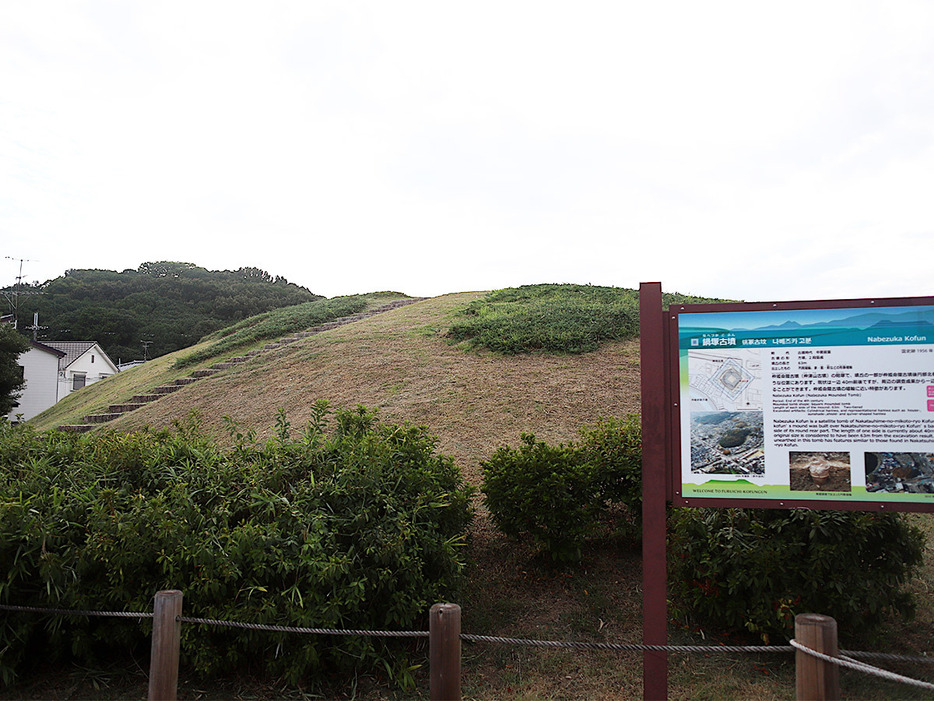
(806, 403)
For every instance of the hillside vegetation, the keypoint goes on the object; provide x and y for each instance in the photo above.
(555, 318)
(168, 303)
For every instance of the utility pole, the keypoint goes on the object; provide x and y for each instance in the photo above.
(35, 328)
(146, 345)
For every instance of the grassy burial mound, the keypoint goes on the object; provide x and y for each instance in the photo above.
(404, 363)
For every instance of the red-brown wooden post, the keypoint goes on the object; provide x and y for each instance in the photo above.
(654, 470)
(166, 634)
(816, 679)
(444, 628)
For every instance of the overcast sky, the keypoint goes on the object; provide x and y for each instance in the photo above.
(747, 150)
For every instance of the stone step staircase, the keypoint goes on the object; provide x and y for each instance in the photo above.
(115, 411)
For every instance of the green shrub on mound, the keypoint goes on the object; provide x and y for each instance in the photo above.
(755, 569)
(553, 318)
(360, 528)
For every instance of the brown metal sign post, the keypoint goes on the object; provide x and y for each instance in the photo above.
(654, 469)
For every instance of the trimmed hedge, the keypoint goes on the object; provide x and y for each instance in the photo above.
(358, 529)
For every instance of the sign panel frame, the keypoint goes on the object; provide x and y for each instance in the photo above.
(798, 344)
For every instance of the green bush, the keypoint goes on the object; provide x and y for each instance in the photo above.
(546, 492)
(361, 528)
(553, 318)
(561, 495)
(614, 447)
(755, 569)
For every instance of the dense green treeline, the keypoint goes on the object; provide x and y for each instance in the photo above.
(168, 303)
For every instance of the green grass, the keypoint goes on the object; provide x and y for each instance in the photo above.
(281, 322)
(553, 318)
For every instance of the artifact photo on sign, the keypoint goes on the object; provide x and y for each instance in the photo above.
(819, 471)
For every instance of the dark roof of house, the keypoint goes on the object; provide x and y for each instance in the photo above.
(48, 349)
(72, 349)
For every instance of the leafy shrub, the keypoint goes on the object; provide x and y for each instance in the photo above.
(553, 318)
(614, 446)
(361, 528)
(546, 492)
(561, 495)
(755, 569)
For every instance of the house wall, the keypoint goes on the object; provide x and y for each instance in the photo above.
(93, 364)
(40, 370)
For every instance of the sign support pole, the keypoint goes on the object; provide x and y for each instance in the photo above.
(654, 467)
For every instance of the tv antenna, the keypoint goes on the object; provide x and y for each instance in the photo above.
(13, 295)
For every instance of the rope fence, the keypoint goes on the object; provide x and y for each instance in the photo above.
(448, 631)
(308, 631)
(845, 661)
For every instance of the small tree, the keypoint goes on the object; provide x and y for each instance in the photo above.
(11, 375)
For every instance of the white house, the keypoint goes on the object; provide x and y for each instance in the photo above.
(54, 369)
(40, 370)
(85, 362)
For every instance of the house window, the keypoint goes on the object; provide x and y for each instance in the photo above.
(92, 359)
(78, 381)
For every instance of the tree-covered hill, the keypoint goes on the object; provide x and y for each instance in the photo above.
(169, 303)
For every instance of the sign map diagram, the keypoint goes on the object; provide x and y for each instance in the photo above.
(725, 380)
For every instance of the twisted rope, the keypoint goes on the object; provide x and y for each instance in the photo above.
(312, 631)
(844, 661)
(627, 647)
(76, 612)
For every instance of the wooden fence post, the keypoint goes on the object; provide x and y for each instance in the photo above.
(815, 679)
(166, 631)
(444, 628)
